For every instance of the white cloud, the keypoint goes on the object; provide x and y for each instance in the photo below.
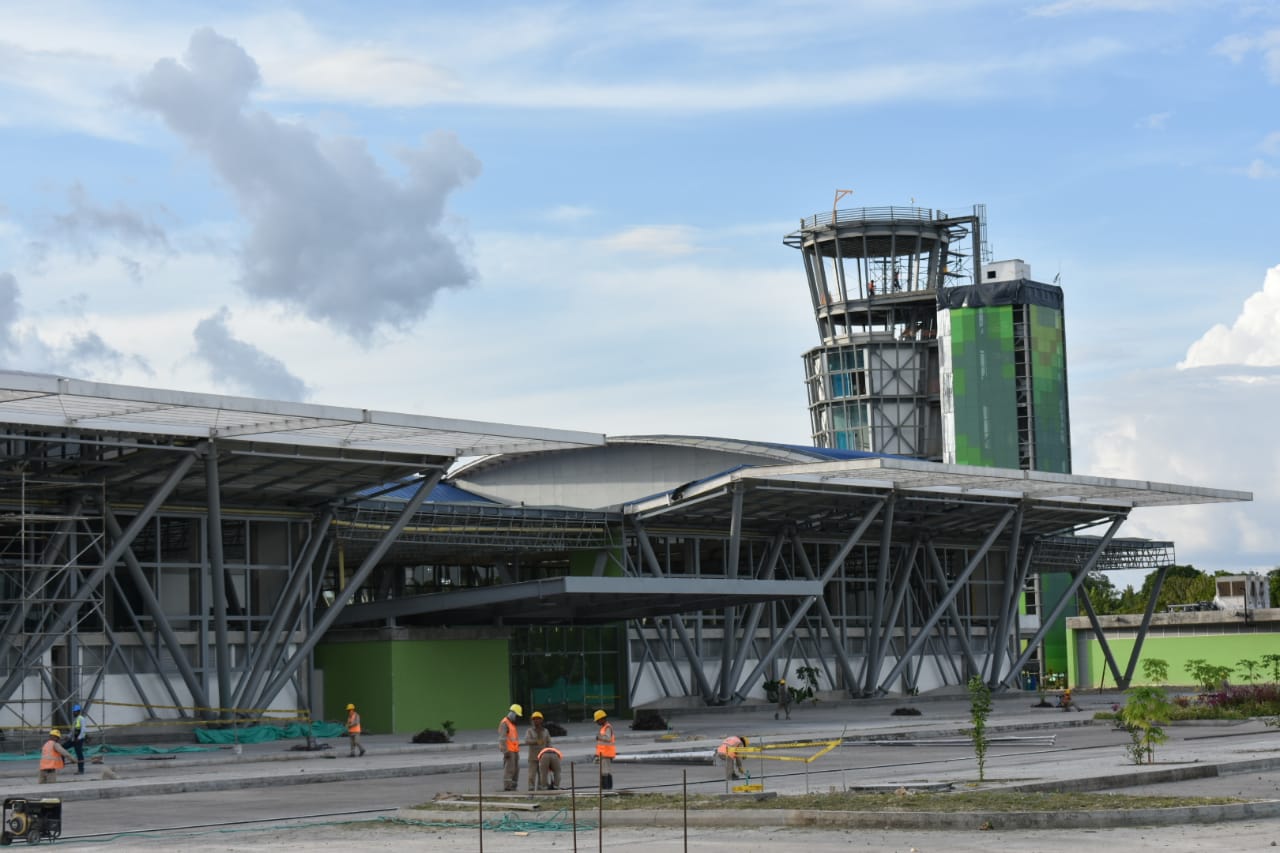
(1252, 340)
(569, 213)
(241, 365)
(330, 233)
(653, 240)
(1238, 47)
(1075, 7)
(1261, 170)
(1155, 121)
(1271, 143)
(1210, 423)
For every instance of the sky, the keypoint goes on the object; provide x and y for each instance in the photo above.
(571, 214)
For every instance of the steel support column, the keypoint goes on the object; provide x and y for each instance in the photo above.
(933, 619)
(834, 566)
(838, 640)
(730, 624)
(218, 580)
(1142, 630)
(259, 657)
(69, 608)
(290, 666)
(755, 614)
(875, 619)
(199, 696)
(1000, 643)
(695, 661)
(1046, 622)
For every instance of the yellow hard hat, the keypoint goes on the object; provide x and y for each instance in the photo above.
(536, 715)
(54, 733)
(782, 681)
(350, 707)
(519, 710)
(599, 715)
(746, 742)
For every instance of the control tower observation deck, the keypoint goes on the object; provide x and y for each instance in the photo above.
(927, 348)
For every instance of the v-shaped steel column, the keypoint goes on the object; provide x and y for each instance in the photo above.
(290, 666)
(68, 610)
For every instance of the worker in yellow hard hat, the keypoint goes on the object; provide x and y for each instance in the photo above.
(606, 748)
(353, 730)
(784, 699)
(53, 755)
(537, 738)
(509, 745)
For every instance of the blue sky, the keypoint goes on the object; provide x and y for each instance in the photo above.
(571, 215)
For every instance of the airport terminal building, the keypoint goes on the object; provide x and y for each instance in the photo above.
(169, 555)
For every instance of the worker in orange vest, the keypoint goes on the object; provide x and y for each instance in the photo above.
(606, 748)
(53, 755)
(509, 745)
(727, 752)
(354, 729)
(549, 768)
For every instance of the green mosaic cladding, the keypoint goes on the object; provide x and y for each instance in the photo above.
(1049, 390)
(983, 380)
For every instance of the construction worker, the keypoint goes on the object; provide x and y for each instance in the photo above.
(549, 767)
(537, 738)
(784, 699)
(727, 752)
(353, 730)
(1066, 703)
(606, 748)
(78, 735)
(53, 755)
(509, 745)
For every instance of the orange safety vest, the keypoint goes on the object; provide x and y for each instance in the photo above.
(557, 753)
(50, 759)
(507, 729)
(727, 746)
(353, 723)
(605, 747)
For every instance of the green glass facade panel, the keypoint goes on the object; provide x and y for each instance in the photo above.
(1051, 426)
(983, 383)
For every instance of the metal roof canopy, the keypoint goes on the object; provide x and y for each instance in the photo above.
(579, 600)
(954, 502)
(271, 454)
(43, 400)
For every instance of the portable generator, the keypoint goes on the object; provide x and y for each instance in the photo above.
(31, 820)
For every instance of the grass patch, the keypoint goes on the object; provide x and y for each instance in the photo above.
(966, 801)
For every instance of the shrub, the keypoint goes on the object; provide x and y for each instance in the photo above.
(1155, 670)
(1144, 715)
(979, 710)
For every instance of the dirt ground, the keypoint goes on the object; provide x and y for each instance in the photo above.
(372, 836)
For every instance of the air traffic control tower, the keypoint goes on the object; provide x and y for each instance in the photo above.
(927, 348)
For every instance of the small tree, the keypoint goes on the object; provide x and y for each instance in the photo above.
(1155, 670)
(1273, 663)
(1143, 716)
(809, 675)
(1251, 668)
(1209, 676)
(979, 710)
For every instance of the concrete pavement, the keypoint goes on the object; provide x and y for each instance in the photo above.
(881, 749)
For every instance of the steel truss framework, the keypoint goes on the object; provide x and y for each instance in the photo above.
(187, 568)
(167, 551)
(922, 585)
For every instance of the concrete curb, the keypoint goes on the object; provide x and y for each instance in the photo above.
(932, 821)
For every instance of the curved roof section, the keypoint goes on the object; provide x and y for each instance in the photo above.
(769, 453)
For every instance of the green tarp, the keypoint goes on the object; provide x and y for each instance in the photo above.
(264, 734)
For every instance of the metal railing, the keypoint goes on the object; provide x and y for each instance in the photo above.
(869, 214)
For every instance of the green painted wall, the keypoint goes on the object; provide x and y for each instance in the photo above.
(1220, 650)
(1049, 390)
(1055, 647)
(405, 686)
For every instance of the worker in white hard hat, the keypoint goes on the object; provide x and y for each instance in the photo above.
(353, 730)
(509, 745)
(53, 755)
(537, 738)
